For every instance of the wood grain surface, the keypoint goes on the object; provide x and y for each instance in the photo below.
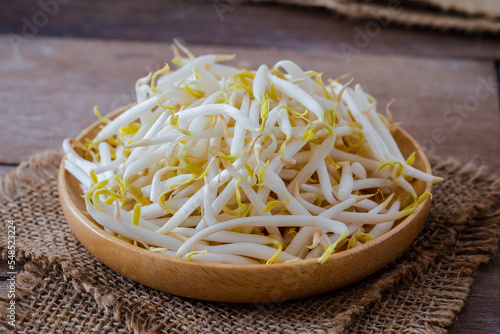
(65, 78)
(91, 53)
(236, 23)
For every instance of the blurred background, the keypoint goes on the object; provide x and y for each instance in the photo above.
(438, 58)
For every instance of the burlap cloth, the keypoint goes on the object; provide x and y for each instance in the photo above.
(63, 289)
(471, 16)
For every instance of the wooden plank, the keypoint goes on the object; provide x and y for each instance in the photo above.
(49, 92)
(236, 24)
(480, 313)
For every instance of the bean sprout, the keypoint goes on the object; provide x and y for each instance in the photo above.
(220, 164)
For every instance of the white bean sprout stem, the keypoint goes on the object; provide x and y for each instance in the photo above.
(219, 164)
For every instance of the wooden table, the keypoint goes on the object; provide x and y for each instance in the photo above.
(86, 54)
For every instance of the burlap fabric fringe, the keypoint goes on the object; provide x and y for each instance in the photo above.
(63, 289)
(471, 16)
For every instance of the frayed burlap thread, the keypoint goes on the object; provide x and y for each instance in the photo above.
(63, 289)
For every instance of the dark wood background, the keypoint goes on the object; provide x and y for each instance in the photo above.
(90, 53)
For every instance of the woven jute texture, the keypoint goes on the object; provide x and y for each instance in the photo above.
(63, 289)
(470, 16)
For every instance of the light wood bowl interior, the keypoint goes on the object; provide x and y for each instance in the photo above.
(242, 283)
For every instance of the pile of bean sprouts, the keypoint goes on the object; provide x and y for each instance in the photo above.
(227, 165)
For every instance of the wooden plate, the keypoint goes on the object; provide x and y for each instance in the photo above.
(242, 283)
